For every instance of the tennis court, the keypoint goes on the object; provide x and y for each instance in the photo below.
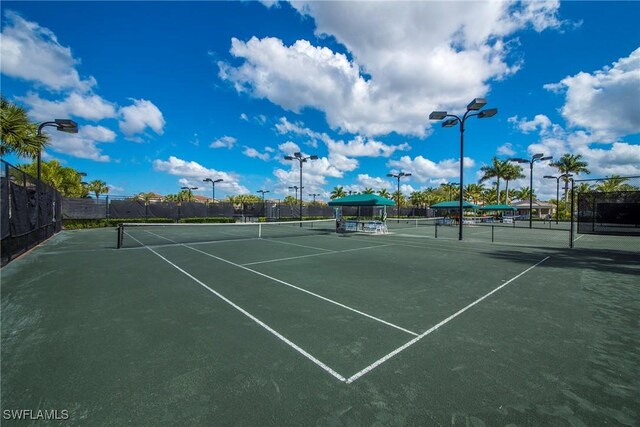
(257, 325)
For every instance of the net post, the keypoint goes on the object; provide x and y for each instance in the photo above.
(492, 228)
(571, 227)
(436, 227)
(260, 230)
(120, 235)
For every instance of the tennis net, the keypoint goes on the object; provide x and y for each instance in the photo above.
(404, 223)
(145, 234)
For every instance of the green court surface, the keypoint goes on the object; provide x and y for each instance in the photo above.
(396, 329)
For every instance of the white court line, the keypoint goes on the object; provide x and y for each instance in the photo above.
(313, 255)
(377, 319)
(434, 328)
(293, 286)
(252, 317)
(579, 237)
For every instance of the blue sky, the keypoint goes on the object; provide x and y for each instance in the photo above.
(169, 93)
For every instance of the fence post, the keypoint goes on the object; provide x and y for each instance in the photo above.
(572, 223)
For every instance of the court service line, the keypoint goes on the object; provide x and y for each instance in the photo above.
(436, 327)
(314, 255)
(252, 317)
(302, 246)
(294, 287)
(329, 300)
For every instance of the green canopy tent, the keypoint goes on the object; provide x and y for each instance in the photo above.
(362, 200)
(369, 200)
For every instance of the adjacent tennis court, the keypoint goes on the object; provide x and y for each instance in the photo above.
(295, 324)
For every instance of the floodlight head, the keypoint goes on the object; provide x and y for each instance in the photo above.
(546, 158)
(219, 180)
(405, 173)
(551, 177)
(476, 104)
(391, 175)
(207, 180)
(314, 157)
(567, 175)
(297, 154)
(518, 160)
(537, 156)
(449, 123)
(489, 112)
(288, 157)
(66, 125)
(437, 115)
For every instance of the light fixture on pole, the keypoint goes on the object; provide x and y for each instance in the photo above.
(213, 185)
(398, 176)
(314, 196)
(63, 125)
(301, 159)
(557, 178)
(189, 189)
(263, 205)
(295, 187)
(536, 157)
(473, 106)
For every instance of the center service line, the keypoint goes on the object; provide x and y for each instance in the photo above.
(434, 328)
(252, 317)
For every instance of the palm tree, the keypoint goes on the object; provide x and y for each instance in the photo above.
(384, 193)
(524, 193)
(337, 192)
(511, 172)
(450, 190)
(64, 179)
(614, 183)
(290, 201)
(473, 193)
(570, 164)
(98, 187)
(17, 133)
(495, 170)
(368, 190)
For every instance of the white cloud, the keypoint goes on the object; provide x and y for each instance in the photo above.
(505, 150)
(376, 183)
(32, 52)
(540, 123)
(141, 115)
(252, 152)
(394, 74)
(86, 106)
(425, 170)
(194, 172)
(224, 142)
(362, 147)
(83, 144)
(606, 102)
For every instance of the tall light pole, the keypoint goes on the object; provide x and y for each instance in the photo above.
(557, 178)
(301, 159)
(536, 157)
(63, 125)
(473, 106)
(398, 176)
(213, 186)
(190, 189)
(295, 187)
(314, 196)
(264, 210)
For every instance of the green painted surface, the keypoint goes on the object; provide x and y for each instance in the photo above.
(119, 337)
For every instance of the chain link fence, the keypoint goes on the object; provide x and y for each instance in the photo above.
(608, 206)
(30, 211)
